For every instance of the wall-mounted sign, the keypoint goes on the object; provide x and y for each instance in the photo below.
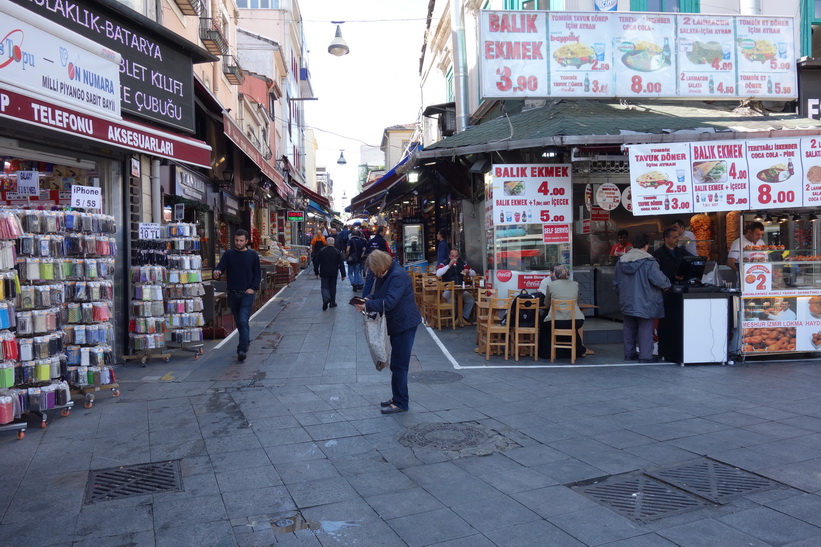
(531, 194)
(42, 57)
(190, 185)
(87, 197)
(295, 216)
(156, 78)
(230, 204)
(28, 183)
(534, 54)
(179, 211)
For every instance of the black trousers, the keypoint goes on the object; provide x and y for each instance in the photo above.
(328, 285)
(546, 329)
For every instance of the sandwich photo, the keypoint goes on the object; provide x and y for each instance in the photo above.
(514, 187)
(575, 55)
(652, 179)
(710, 171)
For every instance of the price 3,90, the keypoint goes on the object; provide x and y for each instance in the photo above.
(523, 83)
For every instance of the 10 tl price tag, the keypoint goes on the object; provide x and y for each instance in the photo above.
(88, 197)
(148, 230)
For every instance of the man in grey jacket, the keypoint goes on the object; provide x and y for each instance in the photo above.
(639, 282)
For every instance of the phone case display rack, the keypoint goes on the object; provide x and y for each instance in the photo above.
(56, 294)
(146, 324)
(183, 287)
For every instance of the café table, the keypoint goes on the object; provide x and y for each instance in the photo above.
(460, 302)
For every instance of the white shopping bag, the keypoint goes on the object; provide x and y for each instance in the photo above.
(379, 344)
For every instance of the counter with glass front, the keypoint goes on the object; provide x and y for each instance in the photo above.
(518, 257)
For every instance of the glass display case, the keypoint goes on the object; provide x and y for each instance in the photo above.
(413, 243)
(781, 299)
(520, 258)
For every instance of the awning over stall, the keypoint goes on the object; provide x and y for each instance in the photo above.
(376, 191)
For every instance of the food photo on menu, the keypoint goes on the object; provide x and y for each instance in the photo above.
(575, 55)
(710, 172)
(645, 56)
(514, 187)
(653, 179)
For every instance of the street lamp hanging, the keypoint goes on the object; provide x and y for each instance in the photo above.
(341, 160)
(338, 45)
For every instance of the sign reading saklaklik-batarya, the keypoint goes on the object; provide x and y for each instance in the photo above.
(525, 54)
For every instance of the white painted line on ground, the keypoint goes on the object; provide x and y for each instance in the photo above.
(233, 332)
(457, 366)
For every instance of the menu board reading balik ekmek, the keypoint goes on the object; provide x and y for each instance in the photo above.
(531, 194)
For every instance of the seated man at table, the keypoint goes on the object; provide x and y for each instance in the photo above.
(455, 270)
(562, 288)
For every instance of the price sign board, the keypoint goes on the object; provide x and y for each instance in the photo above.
(295, 216)
(811, 164)
(581, 56)
(179, 211)
(531, 194)
(757, 278)
(766, 57)
(28, 183)
(608, 196)
(513, 53)
(148, 230)
(87, 197)
(720, 176)
(644, 52)
(627, 199)
(660, 179)
(776, 176)
(706, 56)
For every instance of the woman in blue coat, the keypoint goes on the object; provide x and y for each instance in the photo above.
(393, 293)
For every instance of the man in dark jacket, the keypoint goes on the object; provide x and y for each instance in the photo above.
(669, 257)
(376, 243)
(327, 264)
(356, 256)
(638, 281)
(241, 265)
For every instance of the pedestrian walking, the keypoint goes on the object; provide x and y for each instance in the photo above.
(317, 243)
(639, 283)
(327, 265)
(241, 265)
(442, 248)
(355, 256)
(393, 296)
(376, 243)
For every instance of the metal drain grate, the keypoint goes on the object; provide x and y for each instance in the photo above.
(640, 498)
(712, 480)
(133, 480)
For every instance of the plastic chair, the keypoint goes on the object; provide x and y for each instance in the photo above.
(442, 310)
(525, 337)
(568, 306)
(495, 333)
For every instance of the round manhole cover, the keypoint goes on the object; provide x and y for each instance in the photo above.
(434, 377)
(445, 436)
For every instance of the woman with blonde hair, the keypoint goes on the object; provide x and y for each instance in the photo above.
(393, 296)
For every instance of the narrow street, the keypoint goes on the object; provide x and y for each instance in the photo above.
(290, 447)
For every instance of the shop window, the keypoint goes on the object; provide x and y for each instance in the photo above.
(449, 79)
(144, 7)
(811, 29)
(552, 5)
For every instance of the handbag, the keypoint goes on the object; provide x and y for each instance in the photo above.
(376, 335)
(352, 260)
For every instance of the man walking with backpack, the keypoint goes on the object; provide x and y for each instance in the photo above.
(355, 256)
(327, 263)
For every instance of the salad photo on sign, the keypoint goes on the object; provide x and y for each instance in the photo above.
(706, 56)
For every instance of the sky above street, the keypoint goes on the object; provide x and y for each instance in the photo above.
(373, 87)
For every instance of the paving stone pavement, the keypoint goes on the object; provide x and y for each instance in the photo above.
(290, 447)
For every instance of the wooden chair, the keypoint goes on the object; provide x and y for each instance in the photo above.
(513, 292)
(442, 310)
(525, 337)
(568, 306)
(482, 302)
(430, 294)
(418, 292)
(496, 335)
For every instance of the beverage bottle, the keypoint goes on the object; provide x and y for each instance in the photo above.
(666, 52)
(711, 85)
(716, 197)
(586, 83)
(501, 217)
(524, 217)
(697, 200)
(769, 85)
(666, 203)
(790, 168)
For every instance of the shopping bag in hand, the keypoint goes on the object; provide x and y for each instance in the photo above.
(376, 334)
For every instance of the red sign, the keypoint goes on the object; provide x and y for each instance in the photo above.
(296, 216)
(586, 226)
(504, 275)
(530, 281)
(597, 214)
(123, 134)
(556, 233)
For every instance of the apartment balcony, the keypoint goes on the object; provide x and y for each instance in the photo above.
(212, 36)
(190, 7)
(232, 70)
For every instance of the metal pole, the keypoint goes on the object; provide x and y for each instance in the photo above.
(460, 71)
(156, 192)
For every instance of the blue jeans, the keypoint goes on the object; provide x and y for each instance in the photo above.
(355, 273)
(401, 346)
(369, 280)
(240, 305)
